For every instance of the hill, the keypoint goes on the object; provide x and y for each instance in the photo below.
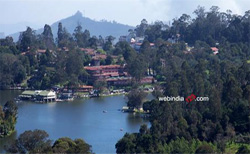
(96, 28)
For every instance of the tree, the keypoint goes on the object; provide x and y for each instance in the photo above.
(136, 98)
(126, 144)
(27, 40)
(47, 37)
(12, 70)
(93, 42)
(67, 145)
(64, 38)
(205, 148)
(123, 48)
(10, 109)
(243, 149)
(37, 141)
(108, 43)
(78, 36)
(140, 29)
(137, 68)
(100, 85)
(109, 60)
(74, 63)
(59, 35)
(31, 142)
(8, 116)
(86, 37)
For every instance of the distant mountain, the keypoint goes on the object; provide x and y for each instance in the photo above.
(9, 29)
(96, 28)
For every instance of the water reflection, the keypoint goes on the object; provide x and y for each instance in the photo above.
(82, 118)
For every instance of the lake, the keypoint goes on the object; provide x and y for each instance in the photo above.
(81, 118)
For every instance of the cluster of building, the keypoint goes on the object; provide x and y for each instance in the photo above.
(135, 42)
(113, 74)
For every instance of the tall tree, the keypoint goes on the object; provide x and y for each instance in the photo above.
(78, 36)
(47, 37)
(27, 40)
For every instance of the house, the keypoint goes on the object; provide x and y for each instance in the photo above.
(67, 96)
(46, 96)
(85, 88)
(89, 51)
(215, 50)
(38, 95)
(138, 45)
(113, 74)
(127, 80)
(29, 94)
(105, 71)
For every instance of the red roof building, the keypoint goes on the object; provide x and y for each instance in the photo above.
(215, 50)
(105, 71)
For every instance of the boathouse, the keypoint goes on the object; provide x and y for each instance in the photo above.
(46, 96)
(29, 94)
(38, 95)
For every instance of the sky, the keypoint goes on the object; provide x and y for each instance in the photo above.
(130, 12)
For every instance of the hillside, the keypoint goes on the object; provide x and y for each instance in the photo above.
(96, 28)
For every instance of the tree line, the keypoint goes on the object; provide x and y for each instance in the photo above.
(196, 127)
(37, 141)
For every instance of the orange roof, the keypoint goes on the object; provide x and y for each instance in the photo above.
(107, 74)
(97, 57)
(85, 86)
(87, 49)
(214, 49)
(101, 67)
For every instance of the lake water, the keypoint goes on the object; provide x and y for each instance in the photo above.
(82, 118)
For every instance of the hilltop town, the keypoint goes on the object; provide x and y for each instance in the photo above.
(204, 56)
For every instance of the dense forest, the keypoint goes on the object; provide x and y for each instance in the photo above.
(182, 62)
(197, 127)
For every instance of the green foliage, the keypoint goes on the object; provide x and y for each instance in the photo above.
(27, 40)
(243, 149)
(108, 46)
(11, 70)
(67, 145)
(100, 85)
(47, 39)
(136, 98)
(137, 68)
(206, 148)
(8, 117)
(38, 141)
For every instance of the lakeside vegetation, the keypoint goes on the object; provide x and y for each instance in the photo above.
(8, 117)
(38, 141)
(221, 124)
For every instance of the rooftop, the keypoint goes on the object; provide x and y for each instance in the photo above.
(46, 93)
(214, 49)
(92, 68)
(28, 92)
